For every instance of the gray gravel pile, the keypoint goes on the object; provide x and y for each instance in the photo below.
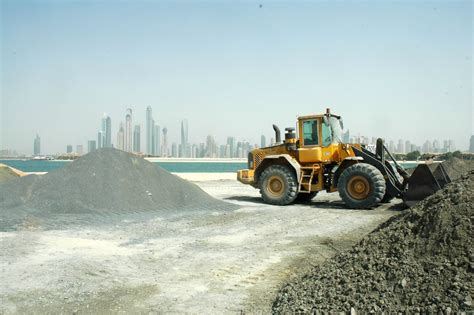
(95, 188)
(6, 173)
(419, 261)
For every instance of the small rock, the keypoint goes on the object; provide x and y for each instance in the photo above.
(468, 300)
(403, 283)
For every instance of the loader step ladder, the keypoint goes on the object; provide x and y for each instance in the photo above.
(306, 177)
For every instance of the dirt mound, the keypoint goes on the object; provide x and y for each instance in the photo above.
(419, 261)
(98, 186)
(6, 173)
(456, 167)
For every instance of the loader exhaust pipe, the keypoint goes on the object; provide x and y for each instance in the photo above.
(277, 134)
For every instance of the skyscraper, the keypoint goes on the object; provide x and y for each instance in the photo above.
(436, 147)
(101, 133)
(149, 130)
(346, 136)
(91, 146)
(136, 138)
(400, 146)
(471, 144)
(174, 150)
(184, 138)
(121, 137)
(108, 132)
(231, 143)
(452, 148)
(391, 146)
(37, 146)
(263, 141)
(100, 140)
(104, 136)
(128, 145)
(407, 146)
(211, 148)
(153, 138)
(157, 140)
(69, 148)
(164, 146)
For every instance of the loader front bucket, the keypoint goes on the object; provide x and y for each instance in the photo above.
(425, 181)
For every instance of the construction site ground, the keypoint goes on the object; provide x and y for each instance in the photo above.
(207, 262)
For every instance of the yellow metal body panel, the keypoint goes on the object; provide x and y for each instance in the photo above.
(245, 176)
(310, 155)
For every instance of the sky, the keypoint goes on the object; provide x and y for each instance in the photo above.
(392, 69)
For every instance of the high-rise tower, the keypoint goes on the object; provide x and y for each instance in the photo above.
(100, 140)
(104, 136)
(149, 130)
(164, 147)
(184, 138)
(157, 140)
(184, 132)
(108, 132)
(121, 138)
(37, 146)
(263, 141)
(232, 149)
(136, 138)
(128, 145)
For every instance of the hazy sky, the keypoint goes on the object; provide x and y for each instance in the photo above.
(392, 69)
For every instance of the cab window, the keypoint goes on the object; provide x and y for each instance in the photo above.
(327, 136)
(310, 132)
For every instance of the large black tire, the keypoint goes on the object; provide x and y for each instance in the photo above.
(305, 197)
(361, 186)
(278, 185)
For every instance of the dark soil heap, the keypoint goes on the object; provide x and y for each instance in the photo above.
(456, 167)
(419, 261)
(96, 187)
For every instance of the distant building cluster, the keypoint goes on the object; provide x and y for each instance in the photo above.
(129, 138)
(405, 146)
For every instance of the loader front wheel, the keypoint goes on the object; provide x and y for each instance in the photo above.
(361, 186)
(278, 185)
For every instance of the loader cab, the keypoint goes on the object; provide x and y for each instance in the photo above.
(314, 132)
(317, 134)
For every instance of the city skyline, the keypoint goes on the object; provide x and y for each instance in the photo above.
(234, 68)
(229, 149)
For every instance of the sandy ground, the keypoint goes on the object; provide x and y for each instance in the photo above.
(206, 263)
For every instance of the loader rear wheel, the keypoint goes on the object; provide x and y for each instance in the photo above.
(306, 197)
(361, 186)
(278, 185)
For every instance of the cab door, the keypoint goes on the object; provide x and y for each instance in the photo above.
(310, 140)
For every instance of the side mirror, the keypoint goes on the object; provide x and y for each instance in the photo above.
(341, 123)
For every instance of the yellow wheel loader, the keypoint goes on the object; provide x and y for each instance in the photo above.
(314, 158)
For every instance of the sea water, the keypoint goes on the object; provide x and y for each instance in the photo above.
(174, 167)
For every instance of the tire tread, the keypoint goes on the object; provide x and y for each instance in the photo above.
(376, 179)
